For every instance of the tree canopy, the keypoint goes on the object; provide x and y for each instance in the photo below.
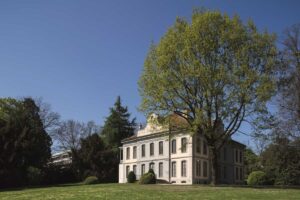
(214, 71)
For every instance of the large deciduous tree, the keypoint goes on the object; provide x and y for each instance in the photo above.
(214, 71)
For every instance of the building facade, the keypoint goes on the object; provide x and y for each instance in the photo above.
(177, 157)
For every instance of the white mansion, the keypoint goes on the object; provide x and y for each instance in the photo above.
(179, 159)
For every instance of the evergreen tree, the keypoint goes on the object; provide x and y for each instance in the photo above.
(118, 125)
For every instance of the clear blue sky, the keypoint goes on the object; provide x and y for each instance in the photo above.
(79, 55)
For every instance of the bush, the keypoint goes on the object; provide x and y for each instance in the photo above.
(91, 180)
(257, 178)
(34, 176)
(131, 177)
(148, 178)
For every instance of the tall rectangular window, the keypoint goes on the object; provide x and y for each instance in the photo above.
(151, 166)
(183, 168)
(161, 147)
(128, 153)
(151, 149)
(241, 174)
(127, 170)
(198, 168)
(143, 150)
(173, 169)
(241, 157)
(160, 169)
(134, 152)
(174, 146)
(198, 146)
(134, 169)
(121, 154)
(205, 168)
(183, 145)
(236, 173)
(204, 148)
(236, 156)
(224, 153)
(225, 172)
(143, 169)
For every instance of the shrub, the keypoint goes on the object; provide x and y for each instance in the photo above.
(34, 176)
(257, 178)
(91, 180)
(148, 178)
(131, 177)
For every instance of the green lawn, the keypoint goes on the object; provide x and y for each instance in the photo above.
(135, 191)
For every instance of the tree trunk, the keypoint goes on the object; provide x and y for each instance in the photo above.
(214, 165)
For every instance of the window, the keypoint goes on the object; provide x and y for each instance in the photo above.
(143, 169)
(225, 172)
(236, 173)
(128, 153)
(198, 146)
(134, 152)
(224, 153)
(183, 145)
(241, 174)
(241, 157)
(151, 149)
(205, 168)
(174, 146)
(204, 148)
(161, 147)
(134, 169)
(160, 169)
(173, 169)
(151, 166)
(143, 150)
(198, 168)
(121, 156)
(236, 156)
(183, 168)
(127, 170)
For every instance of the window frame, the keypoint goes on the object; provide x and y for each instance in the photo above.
(143, 152)
(183, 168)
(173, 146)
(183, 145)
(151, 149)
(173, 169)
(161, 148)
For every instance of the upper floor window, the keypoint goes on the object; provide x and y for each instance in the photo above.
(134, 152)
(183, 168)
(173, 146)
(121, 156)
(161, 147)
(198, 146)
(173, 169)
(151, 149)
(204, 148)
(128, 153)
(241, 157)
(143, 150)
(183, 145)
(236, 156)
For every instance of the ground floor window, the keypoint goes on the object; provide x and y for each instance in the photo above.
(127, 170)
(173, 169)
(237, 173)
(160, 169)
(134, 169)
(205, 168)
(183, 168)
(143, 169)
(241, 173)
(151, 166)
(225, 172)
(198, 168)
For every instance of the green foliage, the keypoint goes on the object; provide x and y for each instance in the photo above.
(131, 178)
(257, 178)
(212, 71)
(91, 180)
(23, 140)
(94, 158)
(34, 176)
(251, 161)
(281, 161)
(148, 178)
(117, 125)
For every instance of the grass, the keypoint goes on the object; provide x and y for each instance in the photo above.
(135, 191)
